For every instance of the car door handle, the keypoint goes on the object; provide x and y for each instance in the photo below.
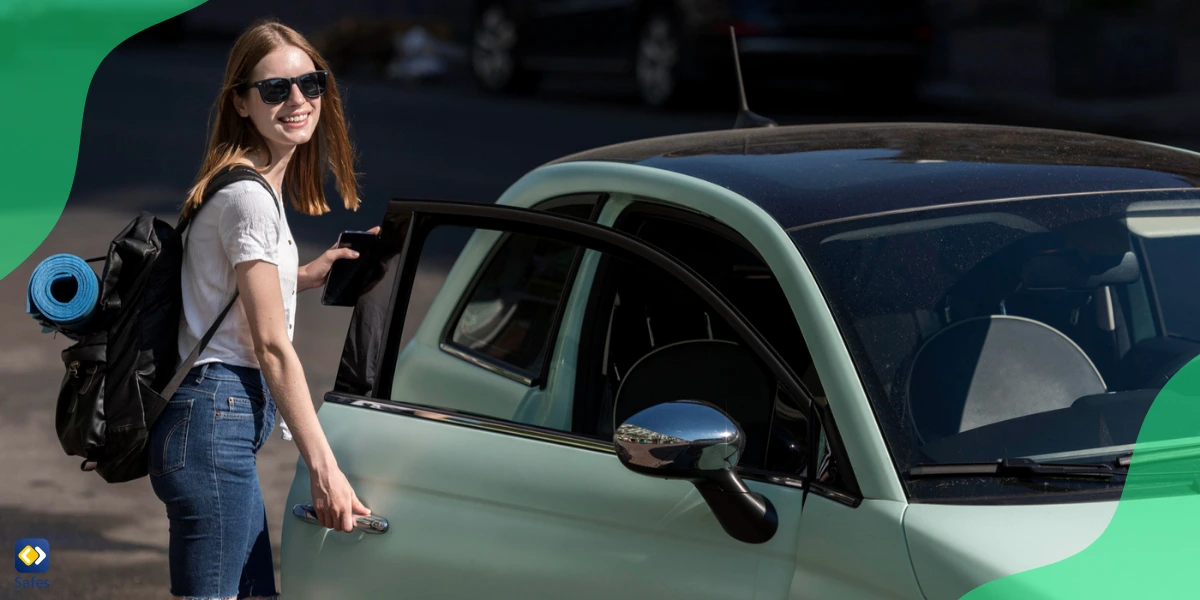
(365, 524)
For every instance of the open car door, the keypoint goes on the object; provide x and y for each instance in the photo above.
(474, 500)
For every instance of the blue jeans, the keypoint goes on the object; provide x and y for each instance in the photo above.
(203, 452)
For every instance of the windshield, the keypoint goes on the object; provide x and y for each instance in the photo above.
(1038, 328)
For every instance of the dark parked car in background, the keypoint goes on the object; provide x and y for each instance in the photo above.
(673, 47)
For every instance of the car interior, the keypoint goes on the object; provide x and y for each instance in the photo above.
(1009, 339)
(652, 340)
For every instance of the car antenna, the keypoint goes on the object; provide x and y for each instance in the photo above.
(745, 119)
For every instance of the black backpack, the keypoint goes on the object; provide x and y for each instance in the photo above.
(121, 374)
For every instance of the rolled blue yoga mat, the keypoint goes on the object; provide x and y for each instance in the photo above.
(63, 292)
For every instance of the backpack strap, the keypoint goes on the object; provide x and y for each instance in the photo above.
(226, 177)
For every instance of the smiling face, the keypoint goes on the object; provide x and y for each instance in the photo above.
(292, 122)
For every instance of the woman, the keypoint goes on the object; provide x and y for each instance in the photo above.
(278, 112)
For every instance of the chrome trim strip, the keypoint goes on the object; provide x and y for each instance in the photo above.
(523, 431)
(555, 437)
(483, 364)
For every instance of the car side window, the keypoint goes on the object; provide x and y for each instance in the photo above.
(648, 340)
(509, 315)
(634, 337)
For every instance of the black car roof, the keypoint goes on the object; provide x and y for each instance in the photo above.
(809, 174)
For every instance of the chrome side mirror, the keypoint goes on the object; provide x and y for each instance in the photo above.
(697, 442)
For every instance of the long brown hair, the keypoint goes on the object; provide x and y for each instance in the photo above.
(235, 137)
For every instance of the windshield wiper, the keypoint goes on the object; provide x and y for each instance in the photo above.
(1156, 455)
(1019, 467)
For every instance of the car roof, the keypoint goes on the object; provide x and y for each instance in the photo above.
(811, 174)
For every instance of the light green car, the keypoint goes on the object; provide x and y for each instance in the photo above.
(860, 361)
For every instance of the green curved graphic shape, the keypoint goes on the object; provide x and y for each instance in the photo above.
(49, 50)
(1150, 547)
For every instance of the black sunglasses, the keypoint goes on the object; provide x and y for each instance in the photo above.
(277, 89)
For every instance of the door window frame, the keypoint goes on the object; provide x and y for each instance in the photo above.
(525, 377)
(642, 206)
(407, 223)
(594, 312)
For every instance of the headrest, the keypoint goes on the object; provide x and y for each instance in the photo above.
(1071, 271)
(721, 373)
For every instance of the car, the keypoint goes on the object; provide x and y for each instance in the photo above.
(824, 361)
(675, 49)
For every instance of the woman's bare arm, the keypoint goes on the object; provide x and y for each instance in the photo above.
(333, 498)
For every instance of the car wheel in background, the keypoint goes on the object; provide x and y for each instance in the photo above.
(657, 62)
(495, 52)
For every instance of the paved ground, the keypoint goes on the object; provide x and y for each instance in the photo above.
(139, 149)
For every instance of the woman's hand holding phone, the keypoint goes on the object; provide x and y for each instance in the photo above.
(349, 279)
(316, 273)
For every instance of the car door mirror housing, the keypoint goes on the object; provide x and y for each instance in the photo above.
(698, 442)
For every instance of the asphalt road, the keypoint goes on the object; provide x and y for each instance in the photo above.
(143, 135)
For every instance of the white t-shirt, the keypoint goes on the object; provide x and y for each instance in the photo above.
(240, 222)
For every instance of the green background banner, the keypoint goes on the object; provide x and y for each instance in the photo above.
(49, 50)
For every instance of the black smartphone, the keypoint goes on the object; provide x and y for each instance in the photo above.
(349, 276)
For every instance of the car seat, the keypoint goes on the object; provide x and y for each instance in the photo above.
(719, 372)
(994, 368)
